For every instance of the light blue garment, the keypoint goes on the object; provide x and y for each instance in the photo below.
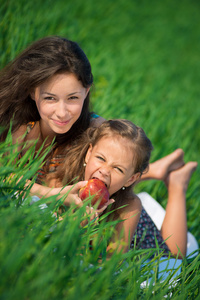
(36, 199)
(166, 269)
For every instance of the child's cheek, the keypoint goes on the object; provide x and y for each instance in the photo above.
(87, 176)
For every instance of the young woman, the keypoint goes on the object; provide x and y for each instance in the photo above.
(45, 92)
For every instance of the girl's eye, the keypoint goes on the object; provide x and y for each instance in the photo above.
(100, 158)
(119, 169)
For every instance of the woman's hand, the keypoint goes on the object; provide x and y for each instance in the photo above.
(71, 192)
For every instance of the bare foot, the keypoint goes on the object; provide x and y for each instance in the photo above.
(180, 178)
(161, 168)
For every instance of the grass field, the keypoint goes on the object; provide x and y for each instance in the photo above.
(146, 67)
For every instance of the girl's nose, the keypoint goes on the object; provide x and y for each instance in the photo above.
(105, 171)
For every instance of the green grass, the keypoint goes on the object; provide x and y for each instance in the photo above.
(145, 61)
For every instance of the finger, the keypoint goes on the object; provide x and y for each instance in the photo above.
(111, 201)
(97, 215)
(77, 200)
(94, 214)
(90, 210)
(79, 185)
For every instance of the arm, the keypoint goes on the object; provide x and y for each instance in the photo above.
(20, 136)
(125, 229)
(70, 191)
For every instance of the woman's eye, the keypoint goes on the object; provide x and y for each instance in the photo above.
(49, 98)
(73, 98)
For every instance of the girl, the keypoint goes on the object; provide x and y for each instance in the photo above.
(118, 153)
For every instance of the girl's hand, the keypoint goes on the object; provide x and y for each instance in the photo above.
(91, 213)
(99, 211)
(94, 213)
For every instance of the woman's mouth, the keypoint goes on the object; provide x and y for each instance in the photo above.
(61, 123)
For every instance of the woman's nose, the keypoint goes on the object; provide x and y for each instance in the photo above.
(61, 109)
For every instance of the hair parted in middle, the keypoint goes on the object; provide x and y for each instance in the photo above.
(40, 61)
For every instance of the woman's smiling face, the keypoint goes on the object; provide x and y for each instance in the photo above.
(59, 101)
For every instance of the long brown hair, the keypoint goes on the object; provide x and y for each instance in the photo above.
(40, 61)
(73, 170)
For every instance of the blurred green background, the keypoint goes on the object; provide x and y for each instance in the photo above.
(145, 62)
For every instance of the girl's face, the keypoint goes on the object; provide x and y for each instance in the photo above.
(111, 160)
(59, 101)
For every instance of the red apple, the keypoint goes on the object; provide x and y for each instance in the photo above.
(97, 189)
